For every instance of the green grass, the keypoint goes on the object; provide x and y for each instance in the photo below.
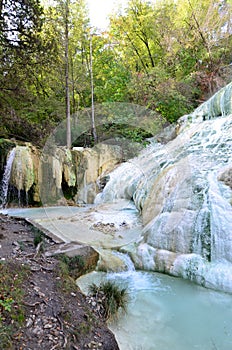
(111, 296)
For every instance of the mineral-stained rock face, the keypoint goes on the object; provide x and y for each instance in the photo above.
(94, 164)
(58, 174)
(24, 172)
(56, 169)
(74, 174)
(226, 176)
(109, 262)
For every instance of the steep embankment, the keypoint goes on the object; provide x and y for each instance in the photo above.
(41, 307)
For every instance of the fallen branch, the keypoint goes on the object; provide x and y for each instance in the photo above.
(38, 249)
(32, 305)
(55, 346)
(60, 322)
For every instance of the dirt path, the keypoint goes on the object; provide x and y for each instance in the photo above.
(56, 315)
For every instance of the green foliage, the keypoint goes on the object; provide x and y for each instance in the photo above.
(169, 98)
(68, 270)
(135, 134)
(19, 23)
(172, 105)
(65, 282)
(111, 297)
(167, 44)
(110, 74)
(26, 57)
(6, 304)
(38, 238)
(11, 296)
(165, 55)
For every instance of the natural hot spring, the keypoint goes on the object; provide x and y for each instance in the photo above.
(169, 313)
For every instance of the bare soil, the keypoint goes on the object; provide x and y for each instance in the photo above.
(56, 314)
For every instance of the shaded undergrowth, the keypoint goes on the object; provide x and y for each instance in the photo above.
(12, 312)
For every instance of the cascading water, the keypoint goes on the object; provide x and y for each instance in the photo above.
(6, 178)
(184, 202)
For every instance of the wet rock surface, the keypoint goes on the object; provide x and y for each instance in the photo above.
(57, 315)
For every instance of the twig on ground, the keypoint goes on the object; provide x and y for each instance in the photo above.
(38, 248)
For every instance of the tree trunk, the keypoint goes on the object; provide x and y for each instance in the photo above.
(94, 131)
(67, 95)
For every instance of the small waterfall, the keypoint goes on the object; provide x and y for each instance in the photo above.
(126, 260)
(128, 275)
(6, 178)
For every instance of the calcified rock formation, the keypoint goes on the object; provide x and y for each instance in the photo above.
(92, 167)
(60, 174)
(183, 190)
(24, 172)
(65, 174)
(56, 170)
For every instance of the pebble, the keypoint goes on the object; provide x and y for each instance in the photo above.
(47, 326)
(93, 345)
(29, 323)
(37, 331)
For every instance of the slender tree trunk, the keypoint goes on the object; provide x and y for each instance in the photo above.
(67, 95)
(73, 109)
(137, 53)
(94, 131)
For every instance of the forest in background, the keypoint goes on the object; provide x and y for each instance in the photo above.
(168, 56)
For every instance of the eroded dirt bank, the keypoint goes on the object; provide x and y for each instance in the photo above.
(51, 313)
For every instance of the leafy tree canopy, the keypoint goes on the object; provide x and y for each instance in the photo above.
(167, 55)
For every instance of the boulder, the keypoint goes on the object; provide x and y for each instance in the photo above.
(80, 258)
